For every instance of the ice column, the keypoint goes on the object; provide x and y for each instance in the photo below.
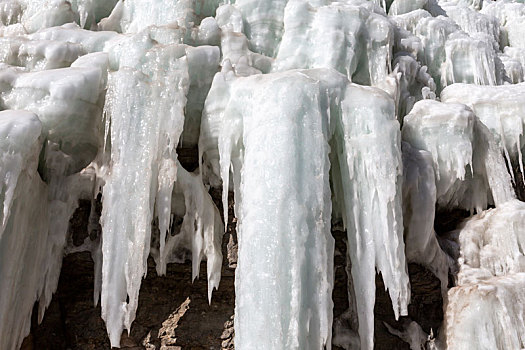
(369, 156)
(274, 131)
(23, 224)
(145, 114)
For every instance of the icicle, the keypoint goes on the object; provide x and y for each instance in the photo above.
(146, 119)
(499, 108)
(370, 171)
(441, 129)
(24, 225)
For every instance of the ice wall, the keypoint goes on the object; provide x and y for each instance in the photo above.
(470, 179)
(419, 203)
(372, 146)
(22, 232)
(278, 98)
(284, 249)
(355, 41)
(334, 110)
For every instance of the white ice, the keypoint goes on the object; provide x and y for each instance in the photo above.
(470, 179)
(277, 97)
(486, 308)
(500, 109)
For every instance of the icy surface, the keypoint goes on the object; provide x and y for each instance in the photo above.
(361, 115)
(147, 121)
(22, 231)
(419, 202)
(470, 179)
(234, 126)
(351, 35)
(490, 282)
(284, 251)
(500, 108)
(371, 132)
(33, 226)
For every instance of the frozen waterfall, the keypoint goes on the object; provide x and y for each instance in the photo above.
(377, 118)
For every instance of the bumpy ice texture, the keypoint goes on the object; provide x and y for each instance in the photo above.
(278, 98)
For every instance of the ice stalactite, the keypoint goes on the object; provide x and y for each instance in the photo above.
(285, 125)
(285, 245)
(414, 84)
(34, 221)
(452, 56)
(23, 225)
(145, 115)
(200, 232)
(419, 203)
(126, 220)
(371, 189)
(500, 109)
(286, 250)
(67, 102)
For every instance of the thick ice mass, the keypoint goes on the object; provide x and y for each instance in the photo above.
(500, 109)
(332, 109)
(365, 116)
(490, 282)
(470, 179)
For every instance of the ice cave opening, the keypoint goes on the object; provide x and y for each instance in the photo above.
(352, 170)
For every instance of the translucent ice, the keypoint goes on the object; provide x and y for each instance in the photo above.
(284, 125)
(284, 251)
(23, 224)
(419, 202)
(452, 56)
(145, 111)
(356, 42)
(68, 101)
(400, 7)
(371, 132)
(487, 315)
(264, 24)
(131, 16)
(34, 220)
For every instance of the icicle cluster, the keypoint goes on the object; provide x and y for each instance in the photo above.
(317, 113)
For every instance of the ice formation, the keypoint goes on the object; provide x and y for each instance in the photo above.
(500, 109)
(331, 109)
(470, 179)
(316, 113)
(490, 281)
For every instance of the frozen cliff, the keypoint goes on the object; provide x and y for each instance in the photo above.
(368, 117)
